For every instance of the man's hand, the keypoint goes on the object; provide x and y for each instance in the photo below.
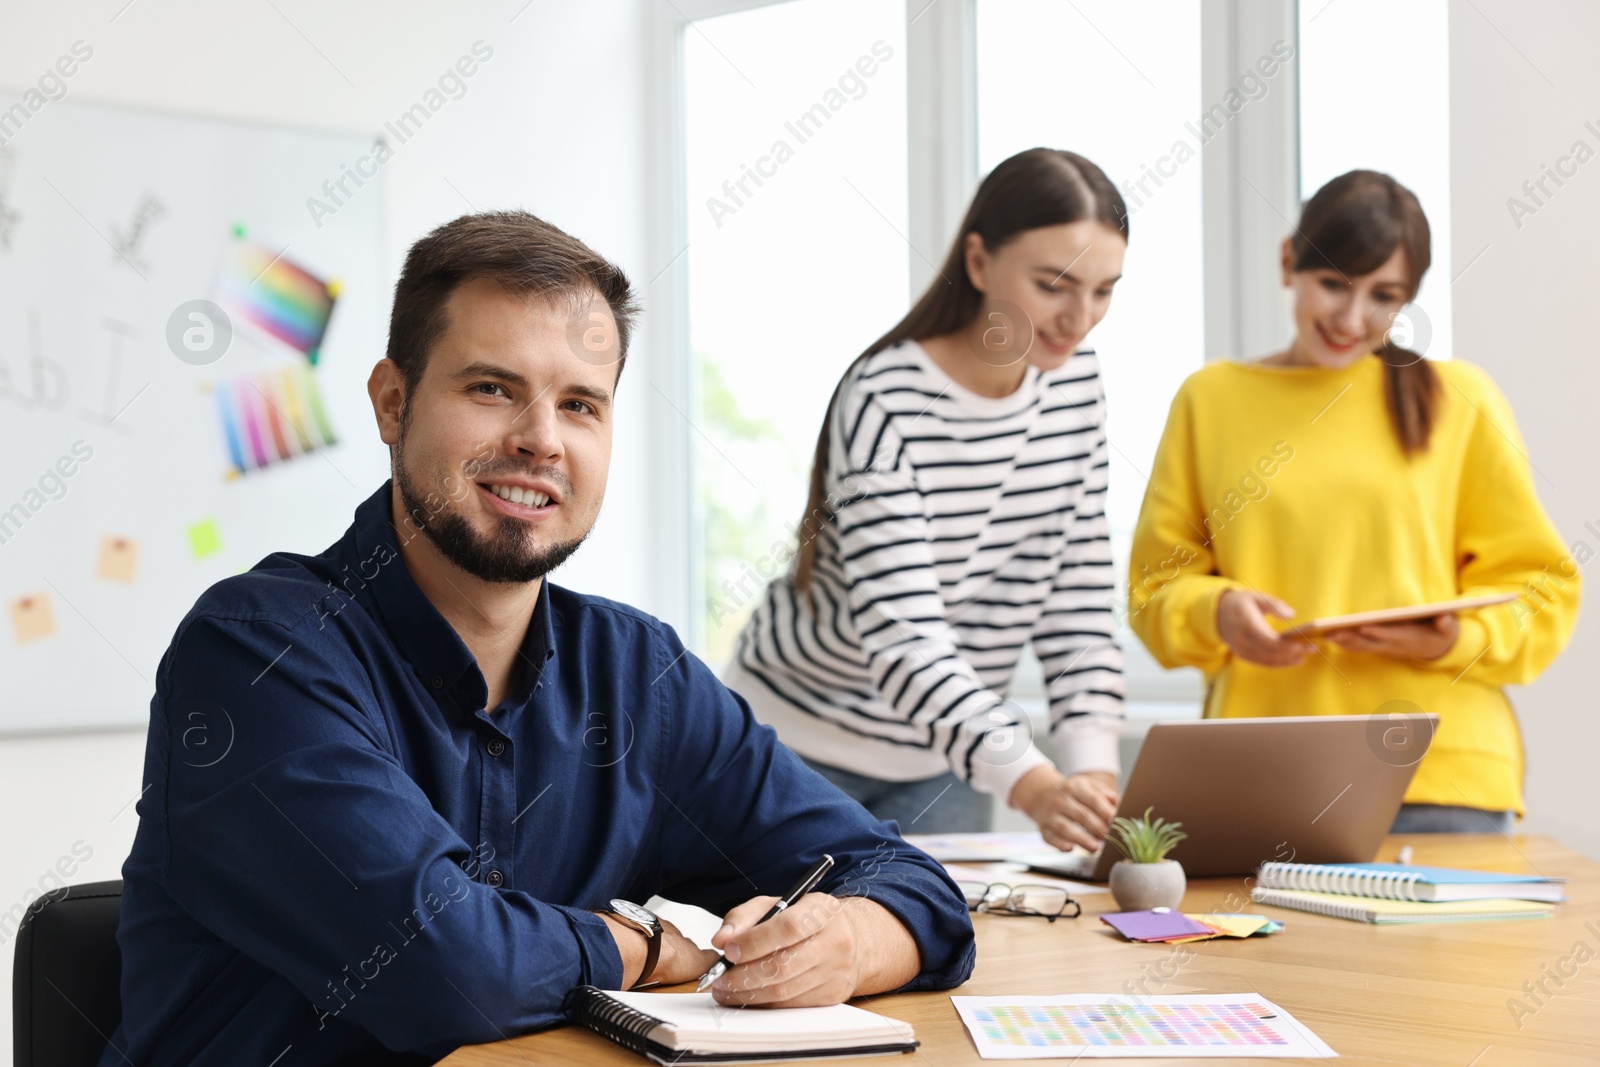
(823, 950)
(1424, 639)
(681, 960)
(1070, 811)
(1242, 625)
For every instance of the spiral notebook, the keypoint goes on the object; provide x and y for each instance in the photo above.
(1387, 912)
(1398, 881)
(693, 1028)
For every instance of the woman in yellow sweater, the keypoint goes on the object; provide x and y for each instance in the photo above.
(1345, 474)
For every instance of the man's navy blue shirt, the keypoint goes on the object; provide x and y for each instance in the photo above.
(341, 853)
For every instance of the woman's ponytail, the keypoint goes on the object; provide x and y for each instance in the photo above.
(1411, 387)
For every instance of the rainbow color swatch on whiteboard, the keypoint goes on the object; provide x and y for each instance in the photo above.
(270, 292)
(1099, 1026)
(271, 417)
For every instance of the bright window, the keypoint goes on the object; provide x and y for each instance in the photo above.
(1110, 82)
(1375, 95)
(796, 183)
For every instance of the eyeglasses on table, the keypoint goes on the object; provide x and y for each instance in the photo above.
(1048, 902)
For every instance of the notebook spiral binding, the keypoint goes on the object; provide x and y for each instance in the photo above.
(610, 1018)
(1378, 884)
(1339, 910)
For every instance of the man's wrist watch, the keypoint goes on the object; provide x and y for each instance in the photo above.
(645, 921)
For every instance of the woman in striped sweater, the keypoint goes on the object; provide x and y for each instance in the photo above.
(957, 510)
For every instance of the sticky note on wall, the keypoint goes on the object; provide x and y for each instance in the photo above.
(204, 539)
(119, 559)
(32, 618)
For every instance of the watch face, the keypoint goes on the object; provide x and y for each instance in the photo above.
(629, 910)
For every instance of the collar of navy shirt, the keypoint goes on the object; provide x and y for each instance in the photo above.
(425, 637)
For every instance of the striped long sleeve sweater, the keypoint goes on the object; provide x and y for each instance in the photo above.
(963, 526)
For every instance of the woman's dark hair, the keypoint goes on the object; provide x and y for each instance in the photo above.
(1353, 225)
(1033, 189)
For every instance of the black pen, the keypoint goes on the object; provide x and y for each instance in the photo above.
(801, 888)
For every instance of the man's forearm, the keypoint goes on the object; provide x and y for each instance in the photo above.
(888, 956)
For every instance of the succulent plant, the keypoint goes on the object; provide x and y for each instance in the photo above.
(1146, 840)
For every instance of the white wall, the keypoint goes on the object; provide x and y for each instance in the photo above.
(1523, 82)
(554, 122)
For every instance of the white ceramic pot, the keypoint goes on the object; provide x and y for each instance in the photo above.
(1141, 886)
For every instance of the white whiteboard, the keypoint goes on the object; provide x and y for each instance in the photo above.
(86, 291)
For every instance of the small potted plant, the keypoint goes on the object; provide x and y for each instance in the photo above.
(1144, 878)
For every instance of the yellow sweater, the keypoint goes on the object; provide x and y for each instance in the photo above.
(1291, 481)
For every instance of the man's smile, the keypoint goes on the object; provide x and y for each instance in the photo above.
(522, 503)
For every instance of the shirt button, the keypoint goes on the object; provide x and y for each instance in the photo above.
(495, 879)
(438, 681)
(496, 746)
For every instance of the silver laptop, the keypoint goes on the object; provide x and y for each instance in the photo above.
(1317, 789)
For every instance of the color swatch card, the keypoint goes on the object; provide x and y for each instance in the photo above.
(1097, 1025)
(277, 296)
(1229, 924)
(1176, 928)
(1155, 925)
(271, 417)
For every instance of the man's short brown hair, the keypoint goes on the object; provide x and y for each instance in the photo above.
(518, 251)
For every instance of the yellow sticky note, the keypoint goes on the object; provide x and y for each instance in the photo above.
(1224, 925)
(119, 559)
(1235, 925)
(31, 618)
(204, 540)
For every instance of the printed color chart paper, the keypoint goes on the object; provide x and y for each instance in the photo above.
(1097, 1025)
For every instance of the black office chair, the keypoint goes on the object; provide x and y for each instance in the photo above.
(66, 991)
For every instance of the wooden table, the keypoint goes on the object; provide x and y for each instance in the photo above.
(1382, 995)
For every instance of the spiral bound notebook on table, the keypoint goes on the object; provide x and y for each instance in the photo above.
(1385, 912)
(693, 1028)
(1397, 881)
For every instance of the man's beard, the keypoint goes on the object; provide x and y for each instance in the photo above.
(503, 556)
